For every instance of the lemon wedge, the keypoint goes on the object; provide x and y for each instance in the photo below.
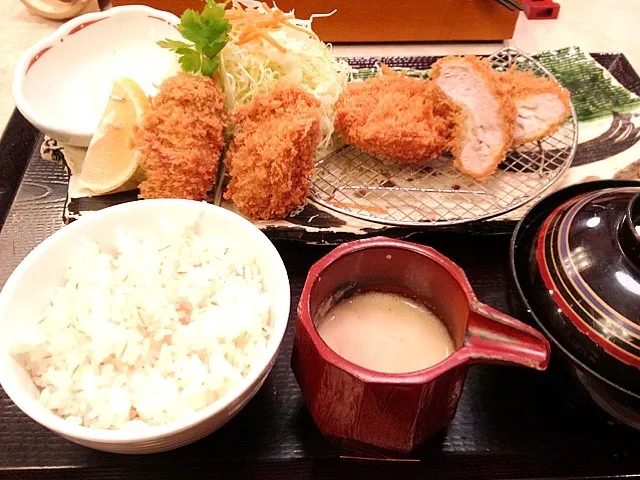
(111, 159)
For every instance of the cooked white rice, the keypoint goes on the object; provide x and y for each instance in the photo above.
(148, 332)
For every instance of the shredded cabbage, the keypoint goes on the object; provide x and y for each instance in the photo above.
(254, 67)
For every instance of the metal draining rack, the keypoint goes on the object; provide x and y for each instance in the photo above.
(364, 186)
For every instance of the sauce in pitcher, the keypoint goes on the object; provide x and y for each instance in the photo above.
(385, 332)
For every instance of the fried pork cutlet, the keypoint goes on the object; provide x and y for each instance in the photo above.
(181, 137)
(394, 116)
(542, 104)
(485, 129)
(271, 155)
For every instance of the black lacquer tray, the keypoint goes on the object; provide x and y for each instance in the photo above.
(511, 423)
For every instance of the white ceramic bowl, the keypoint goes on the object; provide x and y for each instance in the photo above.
(27, 290)
(62, 83)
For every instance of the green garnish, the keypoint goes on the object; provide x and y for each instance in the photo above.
(209, 32)
(594, 92)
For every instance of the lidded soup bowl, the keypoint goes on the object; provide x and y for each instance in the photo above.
(393, 414)
(584, 288)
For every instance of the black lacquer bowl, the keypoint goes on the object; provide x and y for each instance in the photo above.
(575, 257)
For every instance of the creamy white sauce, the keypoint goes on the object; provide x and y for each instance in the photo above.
(386, 332)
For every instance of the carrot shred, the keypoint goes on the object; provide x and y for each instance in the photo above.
(250, 24)
(247, 37)
(272, 41)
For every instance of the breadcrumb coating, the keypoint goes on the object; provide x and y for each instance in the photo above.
(397, 117)
(181, 137)
(271, 156)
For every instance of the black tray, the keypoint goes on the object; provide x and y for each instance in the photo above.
(511, 423)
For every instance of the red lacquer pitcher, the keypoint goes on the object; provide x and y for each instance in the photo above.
(392, 414)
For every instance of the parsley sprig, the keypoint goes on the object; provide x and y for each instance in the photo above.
(208, 31)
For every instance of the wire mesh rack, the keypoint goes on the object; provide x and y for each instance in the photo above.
(370, 188)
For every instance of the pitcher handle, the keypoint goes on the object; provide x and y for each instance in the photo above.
(496, 337)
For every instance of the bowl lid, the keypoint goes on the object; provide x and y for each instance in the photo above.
(588, 256)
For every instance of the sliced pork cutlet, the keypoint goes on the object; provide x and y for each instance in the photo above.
(396, 117)
(484, 131)
(541, 102)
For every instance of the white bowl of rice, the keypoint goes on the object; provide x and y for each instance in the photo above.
(143, 327)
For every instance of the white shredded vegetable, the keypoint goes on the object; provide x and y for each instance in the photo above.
(253, 67)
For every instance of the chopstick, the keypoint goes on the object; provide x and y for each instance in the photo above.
(505, 4)
(510, 4)
(516, 4)
(222, 172)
